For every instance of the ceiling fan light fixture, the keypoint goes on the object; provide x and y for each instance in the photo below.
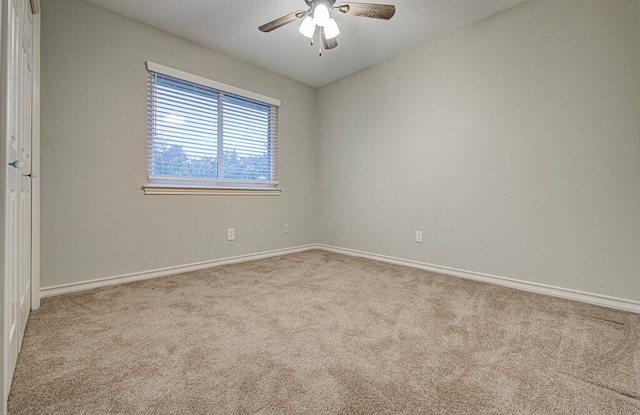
(321, 14)
(308, 27)
(331, 29)
(317, 21)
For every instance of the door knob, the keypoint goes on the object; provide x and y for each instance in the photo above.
(17, 164)
(31, 175)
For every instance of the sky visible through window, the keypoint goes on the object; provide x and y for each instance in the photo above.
(200, 132)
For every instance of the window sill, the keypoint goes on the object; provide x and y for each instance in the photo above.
(171, 189)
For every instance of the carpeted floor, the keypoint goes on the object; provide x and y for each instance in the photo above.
(323, 333)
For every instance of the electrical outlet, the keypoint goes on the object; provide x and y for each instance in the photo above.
(419, 237)
(231, 234)
(285, 228)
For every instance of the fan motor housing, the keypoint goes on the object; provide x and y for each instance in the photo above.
(310, 2)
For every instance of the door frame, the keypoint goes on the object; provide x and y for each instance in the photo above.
(35, 161)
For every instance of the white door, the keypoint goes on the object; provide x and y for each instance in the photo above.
(19, 88)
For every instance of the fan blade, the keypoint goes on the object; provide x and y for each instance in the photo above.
(376, 11)
(329, 43)
(281, 21)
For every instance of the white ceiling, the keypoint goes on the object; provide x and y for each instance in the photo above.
(231, 26)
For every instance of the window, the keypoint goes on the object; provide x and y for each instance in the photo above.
(205, 137)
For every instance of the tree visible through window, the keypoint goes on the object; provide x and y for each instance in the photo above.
(202, 134)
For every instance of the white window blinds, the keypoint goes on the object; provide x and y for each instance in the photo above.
(205, 133)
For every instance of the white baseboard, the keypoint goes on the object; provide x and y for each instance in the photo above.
(597, 299)
(163, 272)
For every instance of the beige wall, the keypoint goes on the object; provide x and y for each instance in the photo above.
(96, 222)
(513, 144)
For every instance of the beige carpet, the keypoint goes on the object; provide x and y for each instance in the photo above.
(323, 333)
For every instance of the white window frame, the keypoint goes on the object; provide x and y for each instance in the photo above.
(155, 186)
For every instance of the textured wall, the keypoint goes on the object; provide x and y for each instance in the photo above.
(95, 220)
(514, 144)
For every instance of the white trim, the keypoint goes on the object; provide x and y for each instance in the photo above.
(165, 70)
(597, 299)
(166, 189)
(581, 296)
(163, 272)
(35, 165)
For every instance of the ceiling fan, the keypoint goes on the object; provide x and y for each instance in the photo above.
(317, 19)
